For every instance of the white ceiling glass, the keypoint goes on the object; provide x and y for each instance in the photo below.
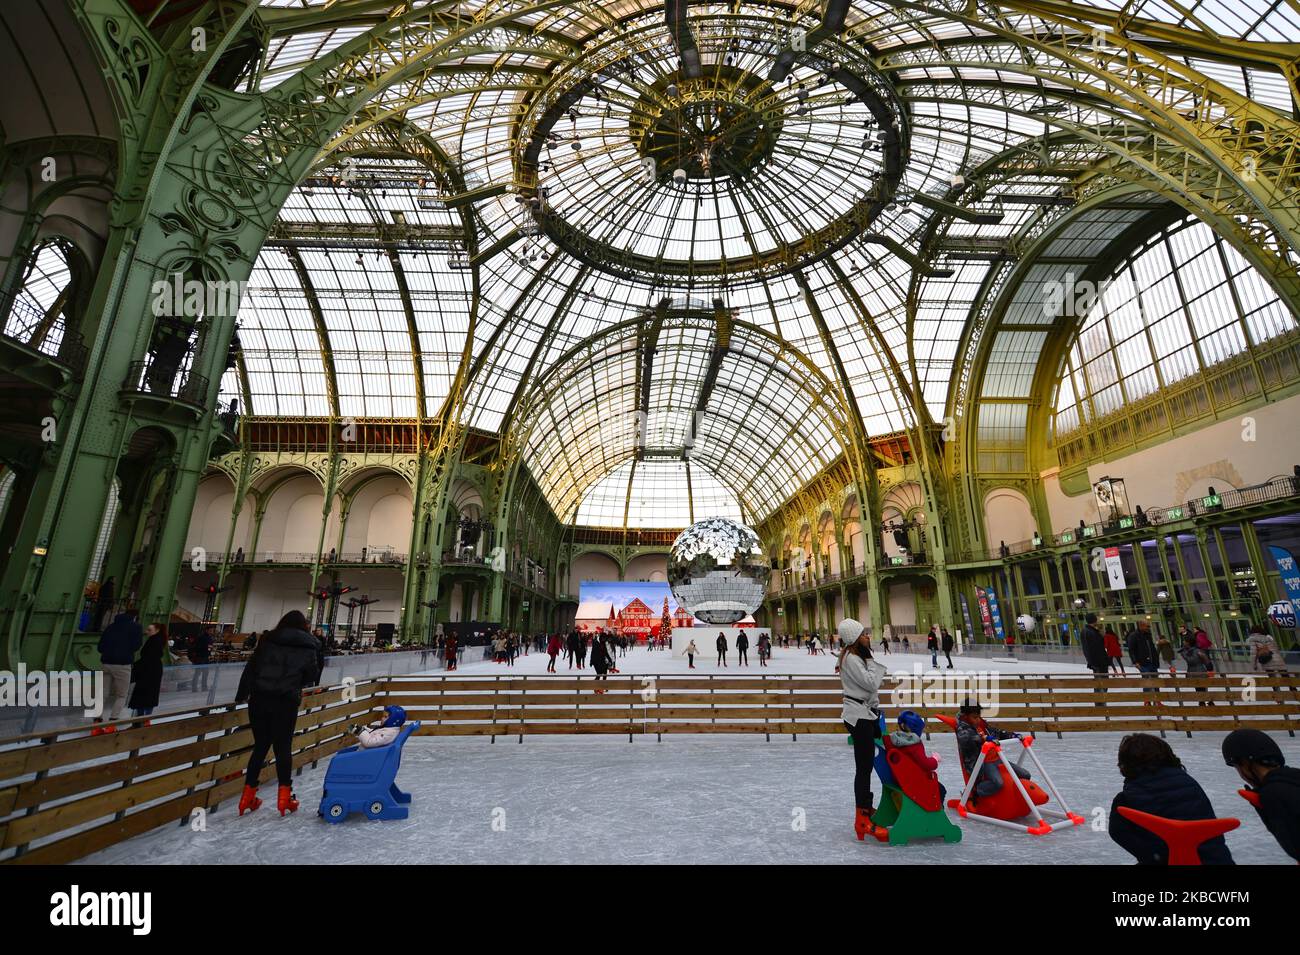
(1179, 305)
(362, 300)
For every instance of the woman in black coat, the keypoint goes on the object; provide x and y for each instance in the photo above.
(1156, 783)
(283, 663)
(600, 658)
(147, 672)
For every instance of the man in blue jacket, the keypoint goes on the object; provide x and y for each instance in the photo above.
(118, 645)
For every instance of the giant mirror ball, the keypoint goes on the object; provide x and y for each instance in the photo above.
(717, 570)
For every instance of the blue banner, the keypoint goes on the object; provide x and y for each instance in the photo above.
(996, 614)
(1290, 574)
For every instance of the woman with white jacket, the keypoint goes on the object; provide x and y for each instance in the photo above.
(861, 677)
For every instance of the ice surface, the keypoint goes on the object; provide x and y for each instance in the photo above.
(640, 660)
(697, 799)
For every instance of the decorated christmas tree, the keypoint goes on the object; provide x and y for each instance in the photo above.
(666, 624)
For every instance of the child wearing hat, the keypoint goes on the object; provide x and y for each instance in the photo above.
(972, 732)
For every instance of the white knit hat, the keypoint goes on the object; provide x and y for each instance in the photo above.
(849, 631)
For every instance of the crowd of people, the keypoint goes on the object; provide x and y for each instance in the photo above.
(1153, 654)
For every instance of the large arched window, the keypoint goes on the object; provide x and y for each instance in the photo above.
(1183, 301)
(37, 314)
(667, 494)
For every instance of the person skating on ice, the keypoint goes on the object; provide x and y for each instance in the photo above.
(600, 660)
(691, 651)
(860, 678)
(272, 682)
(575, 639)
(884, 643)
(764, 649)
(722, 649)
(1273, 787)
(973, 731)
(742, 649)
(932, 644)
(552, 650)
(946, 642)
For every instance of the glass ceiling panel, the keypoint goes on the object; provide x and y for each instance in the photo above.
(372, 268)
(1184, 301)
(663, 494)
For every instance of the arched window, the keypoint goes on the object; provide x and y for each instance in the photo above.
(105, 532)
(1183, 301)
(6, 491)
(37, 313)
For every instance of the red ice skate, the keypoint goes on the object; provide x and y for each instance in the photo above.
(864, 827)
(286, 801)
(249, 802)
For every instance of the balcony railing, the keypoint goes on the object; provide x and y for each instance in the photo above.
(150, 378)
(1276, 490)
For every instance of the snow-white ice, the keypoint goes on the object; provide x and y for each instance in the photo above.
(701, 799)
(784, 660)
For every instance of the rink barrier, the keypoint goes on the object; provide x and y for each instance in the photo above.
(65, 794)
(789, 705)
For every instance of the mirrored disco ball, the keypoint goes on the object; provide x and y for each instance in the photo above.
(1025, 623)
(718, 571)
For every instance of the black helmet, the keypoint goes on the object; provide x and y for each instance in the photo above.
(969, 705)
(1251, 746)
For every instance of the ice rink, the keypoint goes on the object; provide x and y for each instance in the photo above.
(696, 799)
(641, 660)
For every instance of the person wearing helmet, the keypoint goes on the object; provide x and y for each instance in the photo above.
(381, 732)
(1273, 787)
(908, 740)
(861, 677)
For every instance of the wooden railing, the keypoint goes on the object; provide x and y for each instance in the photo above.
(66, 794)
(790, 704)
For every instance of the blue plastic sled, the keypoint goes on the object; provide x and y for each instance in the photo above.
(364, 780)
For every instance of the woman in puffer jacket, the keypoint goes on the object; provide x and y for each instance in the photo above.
(861, 677)
(283, 663)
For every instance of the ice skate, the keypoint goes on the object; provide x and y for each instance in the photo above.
(249, 802)
(286, 801)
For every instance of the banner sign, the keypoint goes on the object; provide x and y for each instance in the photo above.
(965, 613)
(986, 618)
(1290, 576)
(991, 614)
(1115, 569)
(996, 613)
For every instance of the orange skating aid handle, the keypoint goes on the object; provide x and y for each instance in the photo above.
(1182, 836)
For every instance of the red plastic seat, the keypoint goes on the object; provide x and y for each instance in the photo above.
(919, 784)
(1006, 803)
(1182, 836)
